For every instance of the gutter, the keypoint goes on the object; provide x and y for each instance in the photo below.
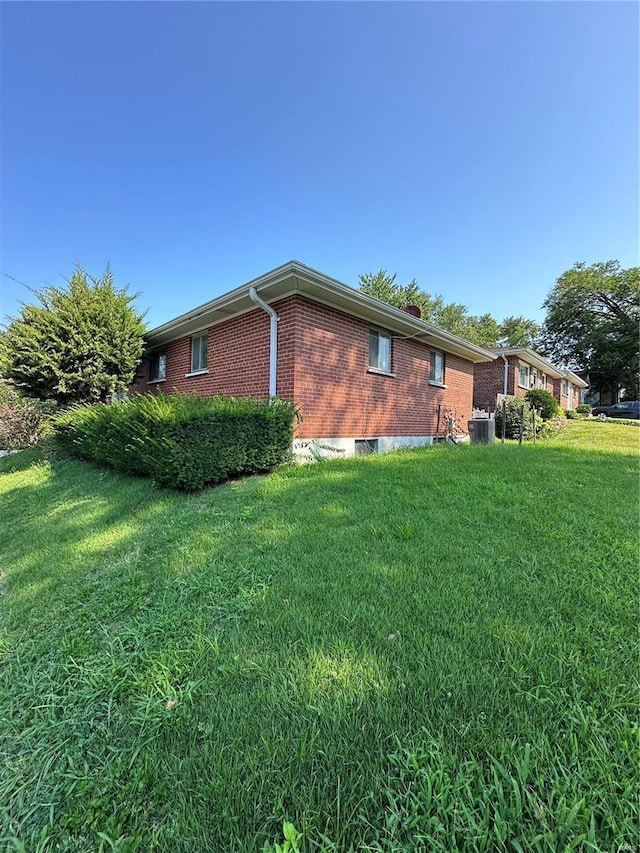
(273, 339)
(296, 278)
(505, 384)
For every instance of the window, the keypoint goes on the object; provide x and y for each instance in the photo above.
(565, 388)
(199, 353)
(364, 446)
(523, 376)
(534, 378)
(436, 373)
(379, 351)
(543, 381)
(158, 367)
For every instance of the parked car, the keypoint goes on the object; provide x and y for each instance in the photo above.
(619, 410)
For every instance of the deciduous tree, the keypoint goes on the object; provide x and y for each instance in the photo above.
(482, 329)
(518, 332)
(591, 324)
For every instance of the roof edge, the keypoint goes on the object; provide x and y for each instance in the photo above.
(302, 275)
(534, 357)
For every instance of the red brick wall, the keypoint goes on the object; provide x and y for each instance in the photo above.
(339, 398)
(488, 381)
(237, 361)
(323, 356)
(563, 399)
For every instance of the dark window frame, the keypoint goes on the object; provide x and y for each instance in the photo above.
(158, 367)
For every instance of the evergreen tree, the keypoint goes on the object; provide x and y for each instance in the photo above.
(79, 344)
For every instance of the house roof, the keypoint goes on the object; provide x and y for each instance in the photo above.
(531, 357)
(537, 360)
(296, 278)
(573, 377)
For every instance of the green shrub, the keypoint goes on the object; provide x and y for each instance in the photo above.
(181, 442)
(583, 409)
(514, 407)
(572, 415)
(543, 402)
(23, 422)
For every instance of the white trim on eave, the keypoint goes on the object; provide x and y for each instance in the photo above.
(530, 357)
(574, 378)
(296, 278)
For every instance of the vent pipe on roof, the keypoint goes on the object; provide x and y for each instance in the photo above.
(273, 339)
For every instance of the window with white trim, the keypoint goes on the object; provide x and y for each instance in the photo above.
(436, 371)
(565, 388)
(199, 353)
(523, 376)
(379, 351)
(158, 367)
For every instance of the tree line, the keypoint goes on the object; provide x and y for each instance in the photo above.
(483, 329)
(591, 324)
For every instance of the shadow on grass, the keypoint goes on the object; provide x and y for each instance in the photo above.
(302, 623)
(21, 461)
(419, 509)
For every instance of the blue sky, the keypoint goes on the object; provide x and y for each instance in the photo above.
(481, 148)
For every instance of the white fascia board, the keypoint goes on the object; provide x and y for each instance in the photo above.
(531, 357)
(296, 278)
(233, 303)
(573, 377)
(368, 307)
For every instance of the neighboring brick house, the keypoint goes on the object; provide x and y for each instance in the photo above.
(518, 369)
(569, 390)
(365, 376)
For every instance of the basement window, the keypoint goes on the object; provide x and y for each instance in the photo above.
(365, 446)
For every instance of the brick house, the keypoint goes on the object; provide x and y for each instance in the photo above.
(569, 390)
(365, 376)
(518, 369)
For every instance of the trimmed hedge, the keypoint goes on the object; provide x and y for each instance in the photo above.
(181, 442)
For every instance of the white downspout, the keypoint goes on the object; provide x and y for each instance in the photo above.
(273, 339)
(505, 384)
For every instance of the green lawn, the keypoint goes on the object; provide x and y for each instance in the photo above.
(433, 650)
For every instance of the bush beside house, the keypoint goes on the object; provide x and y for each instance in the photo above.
(514, 407)
(181, 442)
(23, 422)
(543, 402)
